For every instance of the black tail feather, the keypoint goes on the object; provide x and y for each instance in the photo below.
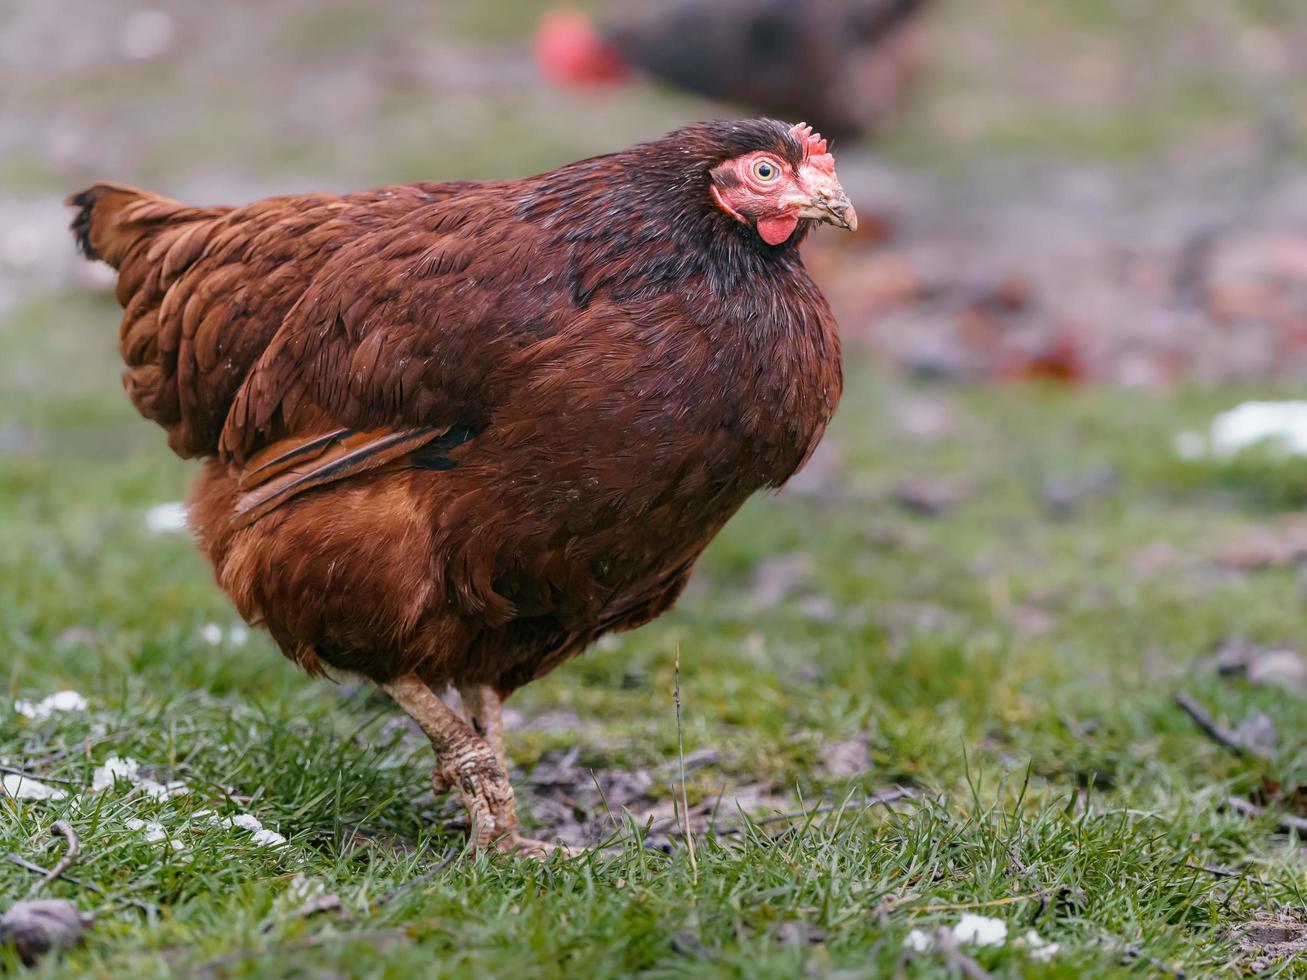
(81, 224)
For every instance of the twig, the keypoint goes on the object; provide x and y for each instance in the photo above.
(60, 828)
(36, 869)
(1217, 732)
(680, 744)
(992, 903)
(1285, 823)
(1216, 872)
(412, 883)
(25, 774)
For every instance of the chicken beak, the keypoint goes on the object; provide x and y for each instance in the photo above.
(833, 207)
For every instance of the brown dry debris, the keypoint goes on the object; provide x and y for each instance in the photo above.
(1265, 942)
(1278, 544)
(584, 806)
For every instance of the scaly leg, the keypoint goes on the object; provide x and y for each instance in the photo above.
(462, 761)
(485, 714)
(484, 709)
(465, 762)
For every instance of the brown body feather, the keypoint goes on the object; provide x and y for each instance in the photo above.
(461, 430)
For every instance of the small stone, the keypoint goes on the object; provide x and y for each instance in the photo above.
(34, 928)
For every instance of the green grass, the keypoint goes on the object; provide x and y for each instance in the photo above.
(1016, 670)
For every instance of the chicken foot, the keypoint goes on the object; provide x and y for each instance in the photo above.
(466, 762)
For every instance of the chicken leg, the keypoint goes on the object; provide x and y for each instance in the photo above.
(466, 762)
(485, 713)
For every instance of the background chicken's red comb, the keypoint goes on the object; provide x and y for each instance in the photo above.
(813, 144)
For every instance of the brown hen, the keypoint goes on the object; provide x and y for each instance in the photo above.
(455, 432)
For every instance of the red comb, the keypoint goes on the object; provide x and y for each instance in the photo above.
(813, 144)
(570, 50)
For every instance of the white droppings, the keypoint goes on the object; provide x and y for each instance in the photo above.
(154, 832)
(980, 930)
(1037, 947)
(1281, 426)
(919, 941)
(27, 788)
(305, 889)
(169, 518)
(43, 709)
(247, 821)
(117, 769)
(163, 791)
(114, 768)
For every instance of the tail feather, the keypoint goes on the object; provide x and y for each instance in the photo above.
(81, 224)
(111, 218)
(138, 233)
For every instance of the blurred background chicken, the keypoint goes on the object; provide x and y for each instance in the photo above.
(843, 65)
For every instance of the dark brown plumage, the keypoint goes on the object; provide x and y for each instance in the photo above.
(455, 432)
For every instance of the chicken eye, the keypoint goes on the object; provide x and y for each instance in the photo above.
(766, 171)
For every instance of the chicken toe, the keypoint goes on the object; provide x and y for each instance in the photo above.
(465, 762)
(530, 847)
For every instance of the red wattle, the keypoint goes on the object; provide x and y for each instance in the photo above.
(777, 229)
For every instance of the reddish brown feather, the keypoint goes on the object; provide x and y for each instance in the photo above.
(461, 430)
(273, 460)
(299, 466)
